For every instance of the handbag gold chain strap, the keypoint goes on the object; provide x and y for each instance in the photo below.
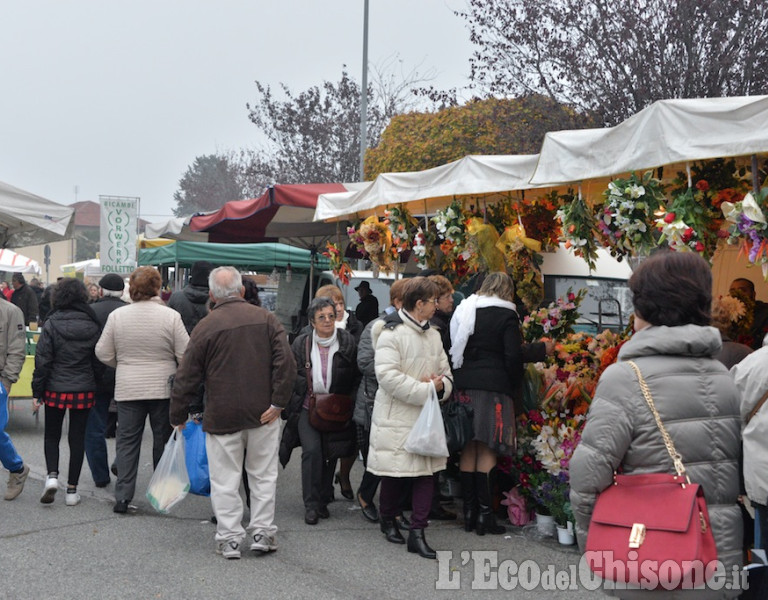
(673, 453)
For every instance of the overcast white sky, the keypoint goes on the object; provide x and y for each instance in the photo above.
(118, 97)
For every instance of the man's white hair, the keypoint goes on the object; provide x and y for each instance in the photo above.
(112, 293)
(224, 282)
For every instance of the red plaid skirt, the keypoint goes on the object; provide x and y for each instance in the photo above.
(73, 400)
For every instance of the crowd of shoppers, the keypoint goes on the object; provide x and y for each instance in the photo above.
(233, 364)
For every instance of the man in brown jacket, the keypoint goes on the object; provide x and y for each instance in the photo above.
(241, 353)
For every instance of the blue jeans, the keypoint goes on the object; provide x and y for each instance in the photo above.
(761, 526)
(9, 458)
(95, 444)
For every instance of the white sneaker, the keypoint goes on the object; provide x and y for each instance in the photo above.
(16, 483)
(263, 543)
(72, 498)
(50, 489)
(229, 549)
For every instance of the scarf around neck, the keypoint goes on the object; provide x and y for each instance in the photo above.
(463, 322)
(332, 343)
(343, 323)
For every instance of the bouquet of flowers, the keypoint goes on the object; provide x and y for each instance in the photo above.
(339, 265)
(729, 315)
(423, 249)
(748, 225)
(539, 215)
(452, 231)
(578, 227)
(556, 320)
(626, 220)
(375, 239)
(400, 223)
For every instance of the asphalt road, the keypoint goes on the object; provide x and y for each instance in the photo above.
(55, 551)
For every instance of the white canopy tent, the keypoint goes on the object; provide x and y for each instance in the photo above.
(175, 229)
(13, 262)
(89, 268)
(426, 191)
(666, 133)
(27, 219)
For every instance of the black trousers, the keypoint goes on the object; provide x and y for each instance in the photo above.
(316, 471)
(54, 418)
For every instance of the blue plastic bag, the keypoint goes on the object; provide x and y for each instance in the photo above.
(197, 459)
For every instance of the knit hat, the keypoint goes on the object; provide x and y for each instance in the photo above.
(112, 282)
(200, 271)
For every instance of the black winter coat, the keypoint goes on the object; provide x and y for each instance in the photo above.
(64, 358)
(191, 303)
(345, 380)
(495, 353)
(102, 308)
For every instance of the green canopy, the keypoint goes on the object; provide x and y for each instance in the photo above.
(256, 257)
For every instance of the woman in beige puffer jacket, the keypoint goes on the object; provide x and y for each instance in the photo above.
(409, 354)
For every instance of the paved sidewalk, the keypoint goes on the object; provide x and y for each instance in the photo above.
(87, 551)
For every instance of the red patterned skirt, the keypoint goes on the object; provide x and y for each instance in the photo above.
(493, 420)
(72, 400)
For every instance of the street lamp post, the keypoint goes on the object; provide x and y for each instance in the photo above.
(364, 95)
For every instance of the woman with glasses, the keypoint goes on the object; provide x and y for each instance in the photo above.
(409, 360)
(349, 322)
(327, 356)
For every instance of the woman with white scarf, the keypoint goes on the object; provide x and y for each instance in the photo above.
(348, 322)
(487, 355)
(332, 364)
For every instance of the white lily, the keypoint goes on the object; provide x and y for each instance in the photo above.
(751, 209)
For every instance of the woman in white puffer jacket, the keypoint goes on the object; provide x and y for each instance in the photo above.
(409, 358)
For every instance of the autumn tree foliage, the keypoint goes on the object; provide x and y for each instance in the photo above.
(616, 58)
(417, 141)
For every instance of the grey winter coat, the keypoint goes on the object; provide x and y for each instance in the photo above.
(698, 404)
(366, 391)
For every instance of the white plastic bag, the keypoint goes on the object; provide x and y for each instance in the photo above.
(170, 482)
(427, 437)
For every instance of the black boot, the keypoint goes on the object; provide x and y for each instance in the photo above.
(470, 500)
(486, 520)
(417, 543)
(390, 530)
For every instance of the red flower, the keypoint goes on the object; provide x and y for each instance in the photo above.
(571, 296)
(699, 247)
(688, 234)
(702, 185)
(669, 217)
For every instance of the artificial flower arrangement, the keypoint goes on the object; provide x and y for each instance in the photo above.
(743, 326)
(539, 215)
(578, 226)
(730, 313)
(451, 227)
(625, 220)
(424, 248)
(400, 223)
(548, 434)
(375, 239)
(694, 220)
(556, 320)
(339, 265)
(521, 254)
(748, 227)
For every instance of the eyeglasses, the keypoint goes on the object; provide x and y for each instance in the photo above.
(323, 318)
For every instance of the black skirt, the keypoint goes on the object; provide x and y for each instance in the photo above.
(494, 419)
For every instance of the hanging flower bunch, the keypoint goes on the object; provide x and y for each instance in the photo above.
(555, 321)
(452, 233)
(400, 223)
(684, 229)
(539, 217)
(375, 239)
(578, 227)
(625, 220)
(339, 265)
(423, 249)
(748, 227)
(521, 254)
